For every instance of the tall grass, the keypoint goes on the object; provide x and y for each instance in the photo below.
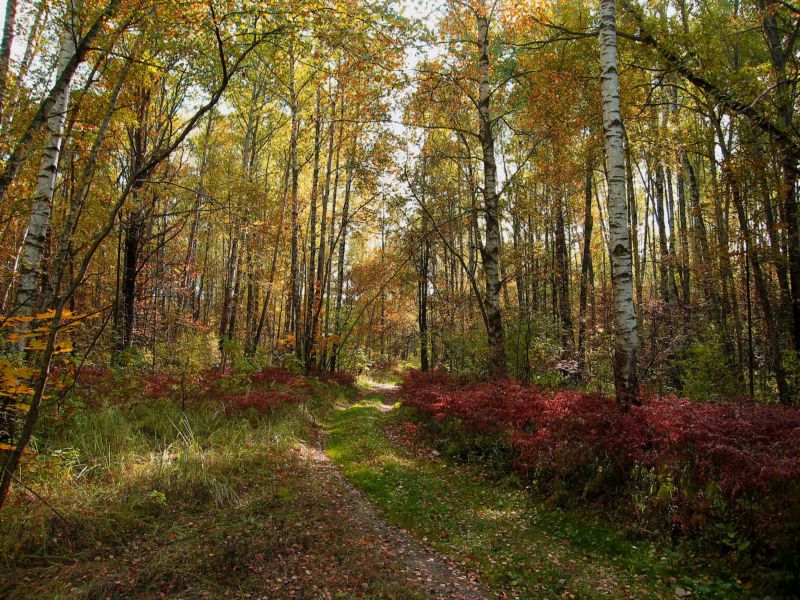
(116, 469)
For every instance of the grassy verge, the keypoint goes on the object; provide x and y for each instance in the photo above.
(518, 545)
(156, 502)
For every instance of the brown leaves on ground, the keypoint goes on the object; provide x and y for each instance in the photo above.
(297, 531)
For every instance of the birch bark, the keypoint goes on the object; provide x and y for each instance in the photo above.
(625, 333)
(491, 249)
(33, 246)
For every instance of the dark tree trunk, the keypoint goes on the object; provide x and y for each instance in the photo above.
(586, 263)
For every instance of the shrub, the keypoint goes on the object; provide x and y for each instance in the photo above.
(342, 378)
(706, 371)
(693, 464)
(161, 385)
(273, 375)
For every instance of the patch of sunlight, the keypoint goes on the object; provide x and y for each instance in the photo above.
(373, 403)
(498, 514)
(368, 383)
(309, 452)
(384, 386)
(394, 459)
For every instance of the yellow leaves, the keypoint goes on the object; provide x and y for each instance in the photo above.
(34, 329)
(37, 344)
(48, 315)
(17, 375)
(45, 316)
(13, 380)
(20, 390)
(62, 346)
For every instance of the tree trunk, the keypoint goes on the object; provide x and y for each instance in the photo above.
(342, 250)
(663, 249)
(625, 330)
(562, 267)
(5, 52)
(683, 233)
(294, 276)
(586, 263)
(422, 291)
(33, 246)
(491, 249)
(189, 280)
(308, 342)
(273, 265)
(323, 229)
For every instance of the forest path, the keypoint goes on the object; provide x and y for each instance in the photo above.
(438, 575)
(458, 518)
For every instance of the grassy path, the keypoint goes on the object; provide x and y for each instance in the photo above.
(518, 546)
(216, 507)
(201, 504)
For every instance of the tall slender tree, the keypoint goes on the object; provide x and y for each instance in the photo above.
(625, 326)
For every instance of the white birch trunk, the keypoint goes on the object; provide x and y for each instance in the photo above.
(491, 250)
(33, 246)
(625, 329)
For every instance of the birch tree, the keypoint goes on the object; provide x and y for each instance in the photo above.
(33, 246)
(625, 328)
(491, 249)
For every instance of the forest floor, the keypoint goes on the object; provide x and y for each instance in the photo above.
(326, 499)
(222, 508)
(518, 546)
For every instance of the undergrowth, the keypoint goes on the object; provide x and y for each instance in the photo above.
(155, 496)
(719, 478)
(108, 471)
(518, 544)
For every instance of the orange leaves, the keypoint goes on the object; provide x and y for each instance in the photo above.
(10, 448)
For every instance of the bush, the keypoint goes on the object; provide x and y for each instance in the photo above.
(276, 375)
(342, 378)
(688, 465)
(534, 349)
(706, 371)
(262, 401)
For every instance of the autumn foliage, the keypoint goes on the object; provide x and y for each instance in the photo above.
(262, 390)
(692, 463)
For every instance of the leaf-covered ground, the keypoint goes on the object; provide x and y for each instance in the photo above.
(223, 508)
(520, 547)
(159, 503)
(156, 503)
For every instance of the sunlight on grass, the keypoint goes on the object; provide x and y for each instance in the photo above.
(118, 467)
(495, 528)
(196, 504)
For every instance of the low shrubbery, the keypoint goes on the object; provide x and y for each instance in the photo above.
(261, 390)
(726, 471)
